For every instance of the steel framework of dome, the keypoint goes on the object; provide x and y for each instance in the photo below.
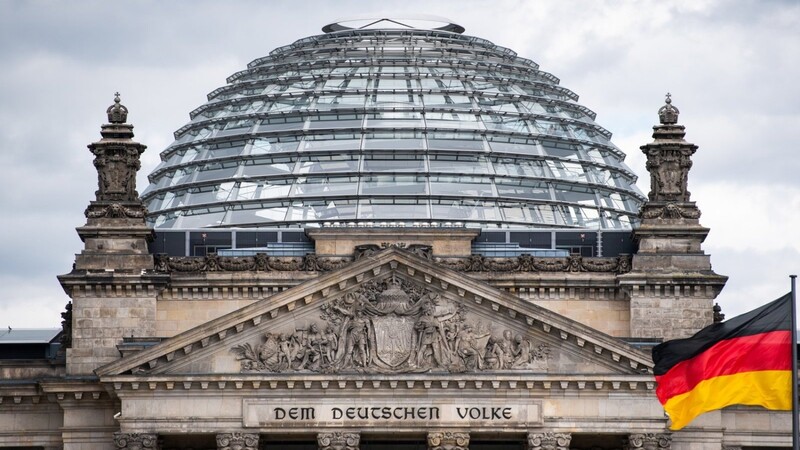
(392, 126)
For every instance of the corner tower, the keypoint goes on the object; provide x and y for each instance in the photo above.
(672, 285)
(111, 287)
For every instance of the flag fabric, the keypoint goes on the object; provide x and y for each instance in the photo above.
(746, 360)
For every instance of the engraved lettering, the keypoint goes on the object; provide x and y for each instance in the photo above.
(337, 413)
(280, 414)
(496, 413)
(507, 413)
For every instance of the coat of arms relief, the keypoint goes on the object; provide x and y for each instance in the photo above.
(393, 326)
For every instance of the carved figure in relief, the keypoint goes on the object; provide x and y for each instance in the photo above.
(466, 346)
(522, 351)
(507, 346)
(311, 348)
(494, 355)
(432, 349)
(329, 345)
(356, 350)
(287, 349)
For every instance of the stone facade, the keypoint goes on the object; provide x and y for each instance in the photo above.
(399, 333)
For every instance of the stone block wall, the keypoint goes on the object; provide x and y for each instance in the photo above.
(99, 322)
(670, 311)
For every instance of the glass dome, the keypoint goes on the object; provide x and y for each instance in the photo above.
(392, 126)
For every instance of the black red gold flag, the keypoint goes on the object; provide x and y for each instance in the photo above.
(746, 360)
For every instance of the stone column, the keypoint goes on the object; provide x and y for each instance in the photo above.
(136, 441)
(549, 441)
(237, 441)
(448, 440)
(339, 440)
(648, 441)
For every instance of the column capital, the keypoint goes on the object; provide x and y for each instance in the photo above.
(136, 441)
(339, 440)
(648, 441)
(448, 440)
(237, 441)
(549, 441)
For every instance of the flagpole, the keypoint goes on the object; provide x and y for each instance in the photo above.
(795, 409)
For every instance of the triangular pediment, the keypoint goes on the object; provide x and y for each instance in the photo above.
(390, 313)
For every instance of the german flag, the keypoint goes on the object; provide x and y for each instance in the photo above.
(746, 360)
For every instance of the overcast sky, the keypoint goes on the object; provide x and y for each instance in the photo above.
(733, 68)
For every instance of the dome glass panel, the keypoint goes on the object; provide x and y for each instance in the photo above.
(392, 124)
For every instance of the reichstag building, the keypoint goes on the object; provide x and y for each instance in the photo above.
(391, 235)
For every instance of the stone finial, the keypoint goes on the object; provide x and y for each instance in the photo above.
(117, 113)
(669, 158)
(136, 441)
(117, 162)
(718, 315)
(338, 441)
(448, 440)
(237, 441)
(668, 114)
(648, 441)
(549, 441)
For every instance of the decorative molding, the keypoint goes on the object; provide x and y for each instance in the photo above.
(669, 211)
(423, 251)
(642, 384)
(261, 262)
(338, 441)
(136, 441)
(393, 326)
(237, 441)
(549, 441)
(648, 441)
(448, 440)
(97, 210)
(528, 263)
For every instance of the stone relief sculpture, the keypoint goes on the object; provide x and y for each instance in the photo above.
(392, 327)
(261, 262)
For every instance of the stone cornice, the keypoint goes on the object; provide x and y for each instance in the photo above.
(530, 383)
